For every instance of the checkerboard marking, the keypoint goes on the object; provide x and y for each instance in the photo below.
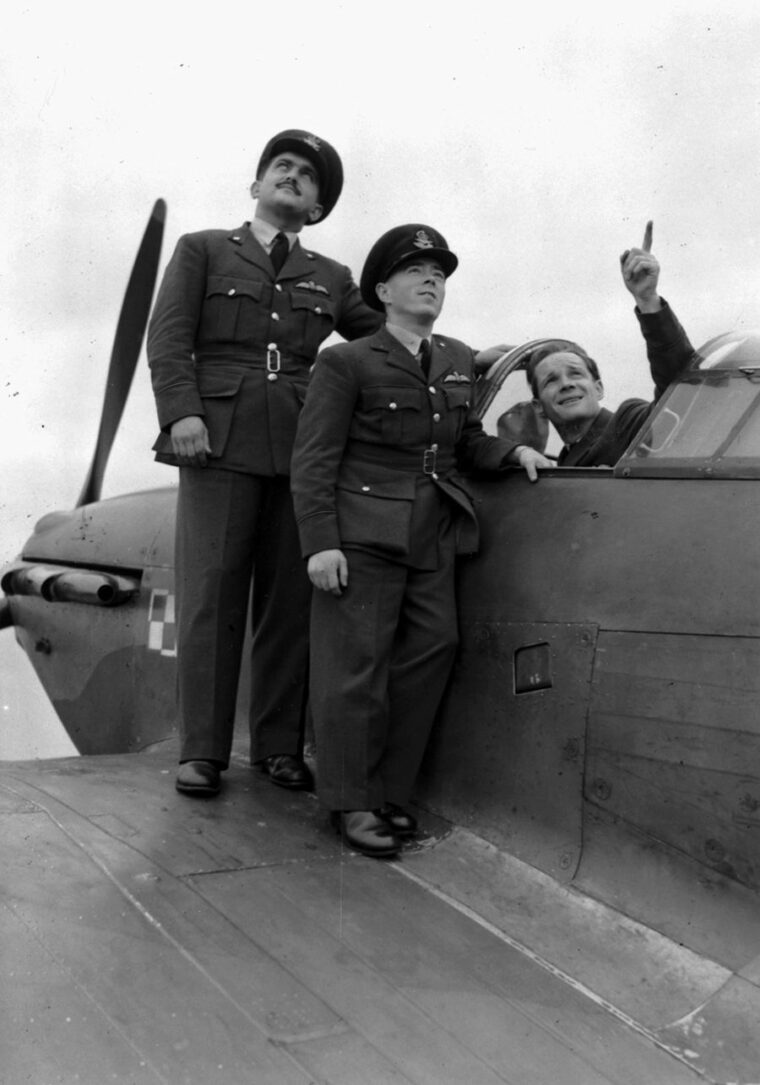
(161, 623)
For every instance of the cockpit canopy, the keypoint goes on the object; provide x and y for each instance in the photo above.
(707, 424)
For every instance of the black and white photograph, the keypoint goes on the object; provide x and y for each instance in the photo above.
(379, 566)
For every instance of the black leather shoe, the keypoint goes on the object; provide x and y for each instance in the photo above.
(198, 778)
(400, 821)
(285, 770)
(366, 832)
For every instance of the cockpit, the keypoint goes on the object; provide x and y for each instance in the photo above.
(706, 425)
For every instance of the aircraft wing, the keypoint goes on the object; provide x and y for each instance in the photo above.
(151, 938)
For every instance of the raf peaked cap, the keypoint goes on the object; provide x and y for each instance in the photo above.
(398, 246)
(324, 157)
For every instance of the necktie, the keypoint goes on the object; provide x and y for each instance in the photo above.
(280, 250)
(424, 357)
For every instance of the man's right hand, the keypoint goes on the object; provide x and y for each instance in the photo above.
(190, 444)
(328, 571)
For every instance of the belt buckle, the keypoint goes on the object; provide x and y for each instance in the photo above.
(273, 360)
(430, 461)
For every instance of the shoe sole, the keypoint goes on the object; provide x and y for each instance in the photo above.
(371, 853)
(201, 791)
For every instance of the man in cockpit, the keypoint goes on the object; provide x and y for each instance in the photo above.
(567, 386)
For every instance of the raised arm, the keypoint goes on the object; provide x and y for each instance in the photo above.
(668, 348)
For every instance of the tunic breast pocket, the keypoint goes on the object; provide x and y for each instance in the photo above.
(458, 402)
(314, 317)
(232, 310)
(394, 414)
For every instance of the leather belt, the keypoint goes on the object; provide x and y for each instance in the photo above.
(272, 362)
(430, 461)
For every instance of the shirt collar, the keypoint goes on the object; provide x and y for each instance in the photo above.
(265, 233)
(408, 339)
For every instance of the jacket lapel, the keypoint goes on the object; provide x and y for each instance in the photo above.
(397, 355)
(248, 249)
(443, 366)
(439, 360)
(299, 263)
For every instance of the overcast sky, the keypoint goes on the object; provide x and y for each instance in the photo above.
(538, 141)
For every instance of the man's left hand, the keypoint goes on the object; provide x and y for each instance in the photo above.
(530, 460)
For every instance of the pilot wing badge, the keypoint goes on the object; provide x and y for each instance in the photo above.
(456, 378)
(315, 288)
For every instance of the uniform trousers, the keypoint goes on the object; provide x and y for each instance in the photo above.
(231, 525)
(381, 654)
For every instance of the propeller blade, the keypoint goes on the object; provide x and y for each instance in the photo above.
(6, 618)
(130, 330)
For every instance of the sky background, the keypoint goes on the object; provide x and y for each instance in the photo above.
(538, 138)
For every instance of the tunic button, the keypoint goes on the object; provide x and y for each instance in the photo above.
(365, 489)
(231, 291)
(275, 316)
(431, 389)
(393, 406)
(271, 376)
(278, 288)
(436, 418)
(434, 448)
(271, 346)
(317, 309)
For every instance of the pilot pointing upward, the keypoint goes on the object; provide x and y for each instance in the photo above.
(567, 387)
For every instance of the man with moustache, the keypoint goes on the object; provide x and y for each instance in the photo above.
(236, 326)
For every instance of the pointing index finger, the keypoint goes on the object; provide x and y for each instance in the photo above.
(647, 242)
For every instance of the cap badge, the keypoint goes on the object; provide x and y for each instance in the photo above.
(422, 240)
(313, 142)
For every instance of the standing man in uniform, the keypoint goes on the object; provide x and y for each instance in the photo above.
(382, 514)
(235, 329)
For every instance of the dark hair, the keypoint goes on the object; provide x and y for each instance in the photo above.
(557, 346)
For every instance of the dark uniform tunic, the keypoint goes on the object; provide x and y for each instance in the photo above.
(375, 474)
(232, 342)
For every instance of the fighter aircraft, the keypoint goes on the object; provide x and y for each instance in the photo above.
(582, 906)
